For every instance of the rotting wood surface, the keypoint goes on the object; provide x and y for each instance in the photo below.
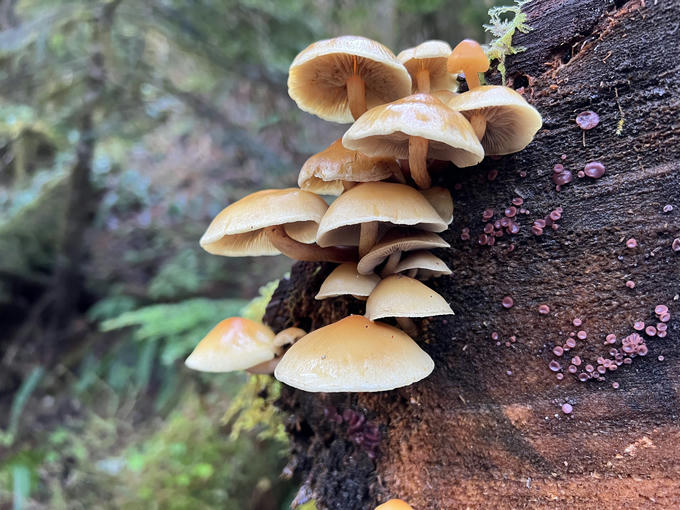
(486, 428)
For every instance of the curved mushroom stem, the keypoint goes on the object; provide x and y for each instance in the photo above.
(408, 326)
(417, 161)
(472, 78)
(367, 237)
(423, 81)
(478, 123)
(391, 264)
(308, 252)
(356, 93)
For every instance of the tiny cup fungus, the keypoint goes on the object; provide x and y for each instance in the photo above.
(339, 79)
(354, 354)
(416, 127)
(427, 65)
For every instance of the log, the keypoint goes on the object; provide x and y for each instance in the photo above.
(487, 428)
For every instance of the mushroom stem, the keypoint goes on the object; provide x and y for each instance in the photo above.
(408, 326)
(417, 161)
(266, 367)
(423, 81)
(398, 174)
(472, 78)
(391, 264)
(356, 95)
(412, 272)
(368, 235)
(308, 252)
(478, 123)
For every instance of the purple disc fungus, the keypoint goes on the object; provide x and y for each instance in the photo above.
(587, 120)
(567, 408)
(630, 284)
(507, 302)
(594, 169)
(631, 243)
(543, 309)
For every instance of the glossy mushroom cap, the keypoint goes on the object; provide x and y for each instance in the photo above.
(394, 504)
(399, 240)
(511, 122)
(346, 280)
(385, 131)
(384, 202)
(234, 344)
(318, 75)
(354, 354)
(238, 230)
(430, 56)
(325, 172)
(401, 296)
(427, 265)
(468, 57)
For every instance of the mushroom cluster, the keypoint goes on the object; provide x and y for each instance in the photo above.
(386, 217)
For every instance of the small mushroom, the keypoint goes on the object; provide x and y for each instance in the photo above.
(427, 65)
(270, 222)
(332, 170)
(354, 354)
(441, 200)
(403, 297)
(391, 246)
(422, 264)
(345, 280)
(282, 339)
(338, 79)
(416, 127)
(356, 216)
(468, 57)
(234, 344)
(394, 504)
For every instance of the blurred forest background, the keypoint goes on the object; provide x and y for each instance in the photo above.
(125, 126)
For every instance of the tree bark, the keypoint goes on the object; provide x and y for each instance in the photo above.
(487, 429)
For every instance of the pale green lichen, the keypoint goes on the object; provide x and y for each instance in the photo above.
(503, 28)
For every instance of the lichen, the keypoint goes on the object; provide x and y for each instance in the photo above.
(503, 29)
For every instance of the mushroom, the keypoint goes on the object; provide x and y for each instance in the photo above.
(440, 199)
(234, 344)
(468, 57)
(423, 264)
(338, 79)
(403, 297)
(416, 127)
(504, 122)
(344, 280)
(283, 338)
(354, 354)
(332, 170)
(393, 243)
(270, 222)
(354, 219)
(394, 504)
(427, 65)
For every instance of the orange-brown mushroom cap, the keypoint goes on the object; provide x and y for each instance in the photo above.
(469, 57)
(431, 57)
(394, 504)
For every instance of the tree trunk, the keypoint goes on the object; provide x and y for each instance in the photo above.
(487, 428)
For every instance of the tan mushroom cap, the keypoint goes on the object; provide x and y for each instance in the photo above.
(511, 122)
(354, 354)
(384, 202)
(427, 264)
(346, 280)
(394, 504)
(441, 200)
(401, 296)
(432, 56)
(325, 172)
(385, 131)
(238, 230)
(399, 240)
(318, 75)
(234, 344)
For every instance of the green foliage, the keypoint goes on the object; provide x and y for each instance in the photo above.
(503, 29)
(255, 309)
(20, 399)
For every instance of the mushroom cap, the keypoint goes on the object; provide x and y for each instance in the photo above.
(511, 122)
(394, 504)
(440, 199)
(385, 130)
(234, 344)
(401, 296)
(237, 231)
(427, 264)
(317, 76)
(433, 56)
(346, 280)
(468, 54)
(399, 240)
(325, 172)
(385, 202)
(354, 354)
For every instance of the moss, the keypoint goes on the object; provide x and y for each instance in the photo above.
(503, 28)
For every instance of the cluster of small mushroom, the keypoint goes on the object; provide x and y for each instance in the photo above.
(406, 112)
